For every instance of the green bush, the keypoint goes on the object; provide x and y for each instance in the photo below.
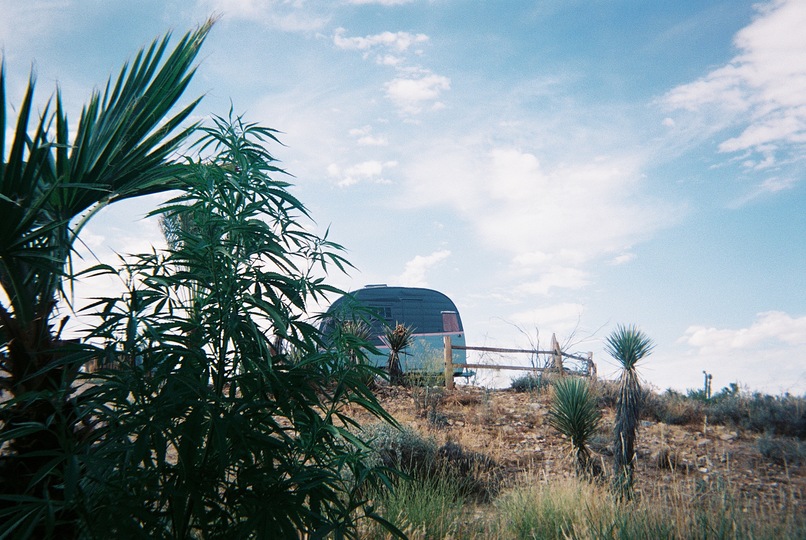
(783, 451)
(475, 475)
(402, 448)
(232, 376)
(758, 413)
(673, 408)
(530, 382)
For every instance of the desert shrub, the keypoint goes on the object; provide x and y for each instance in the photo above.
(420, 457)
(403, 448)
(673, 408)
(530, 382)
(697, 395)
(601, 441)
(759, 413)
(477, 475)
(606, 394)
(427, 402)
(782, 450)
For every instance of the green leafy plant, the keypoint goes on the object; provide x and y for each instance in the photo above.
(530, 382)
(397, 338)
(53, 181)
(235, 421)
(628, 345)
(574, 413)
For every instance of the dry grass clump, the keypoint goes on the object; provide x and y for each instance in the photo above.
(573, 508)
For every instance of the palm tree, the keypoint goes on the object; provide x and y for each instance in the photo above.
(574, 414)
(398, 338)
(628, 345)
(52, 184)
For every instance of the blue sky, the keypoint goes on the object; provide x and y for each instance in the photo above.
(554, 167)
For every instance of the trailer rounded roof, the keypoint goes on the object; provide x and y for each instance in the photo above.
(416, 307)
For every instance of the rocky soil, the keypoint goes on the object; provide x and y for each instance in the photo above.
(512, 428)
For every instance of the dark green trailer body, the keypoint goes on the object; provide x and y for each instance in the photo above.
(430, 314)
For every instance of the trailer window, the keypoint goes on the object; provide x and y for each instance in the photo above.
(450, 321)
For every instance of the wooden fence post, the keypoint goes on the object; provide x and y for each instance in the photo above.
(591, 367)
(448, 363)
(557, 355)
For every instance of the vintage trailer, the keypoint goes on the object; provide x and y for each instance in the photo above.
(430, 314)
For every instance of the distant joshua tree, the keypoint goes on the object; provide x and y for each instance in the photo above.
(398, 338)
(628, 345)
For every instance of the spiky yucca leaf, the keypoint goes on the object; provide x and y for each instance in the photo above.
(574, 414)
(628, 345)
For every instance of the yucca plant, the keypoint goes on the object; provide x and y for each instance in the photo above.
(628, 345)
(353, 337)
(397, 338)
(52, 181)
(574, 413)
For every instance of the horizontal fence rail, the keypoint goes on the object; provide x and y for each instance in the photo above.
(556, 353)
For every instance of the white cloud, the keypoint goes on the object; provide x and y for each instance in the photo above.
(295, 16)
(365, 137)
(574, 211)
(380, 2)
(762, 90)
(396, 41)
(414, 273)
(557, 277)
(561, 319)
(769, 328)
(412, 94)
(415, 88)
(770, 185)
(389, 60)
(761, 356)
(371, 171)
(623, 258)
(22, 21)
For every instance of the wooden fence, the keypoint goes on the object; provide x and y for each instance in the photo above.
(556, 365)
